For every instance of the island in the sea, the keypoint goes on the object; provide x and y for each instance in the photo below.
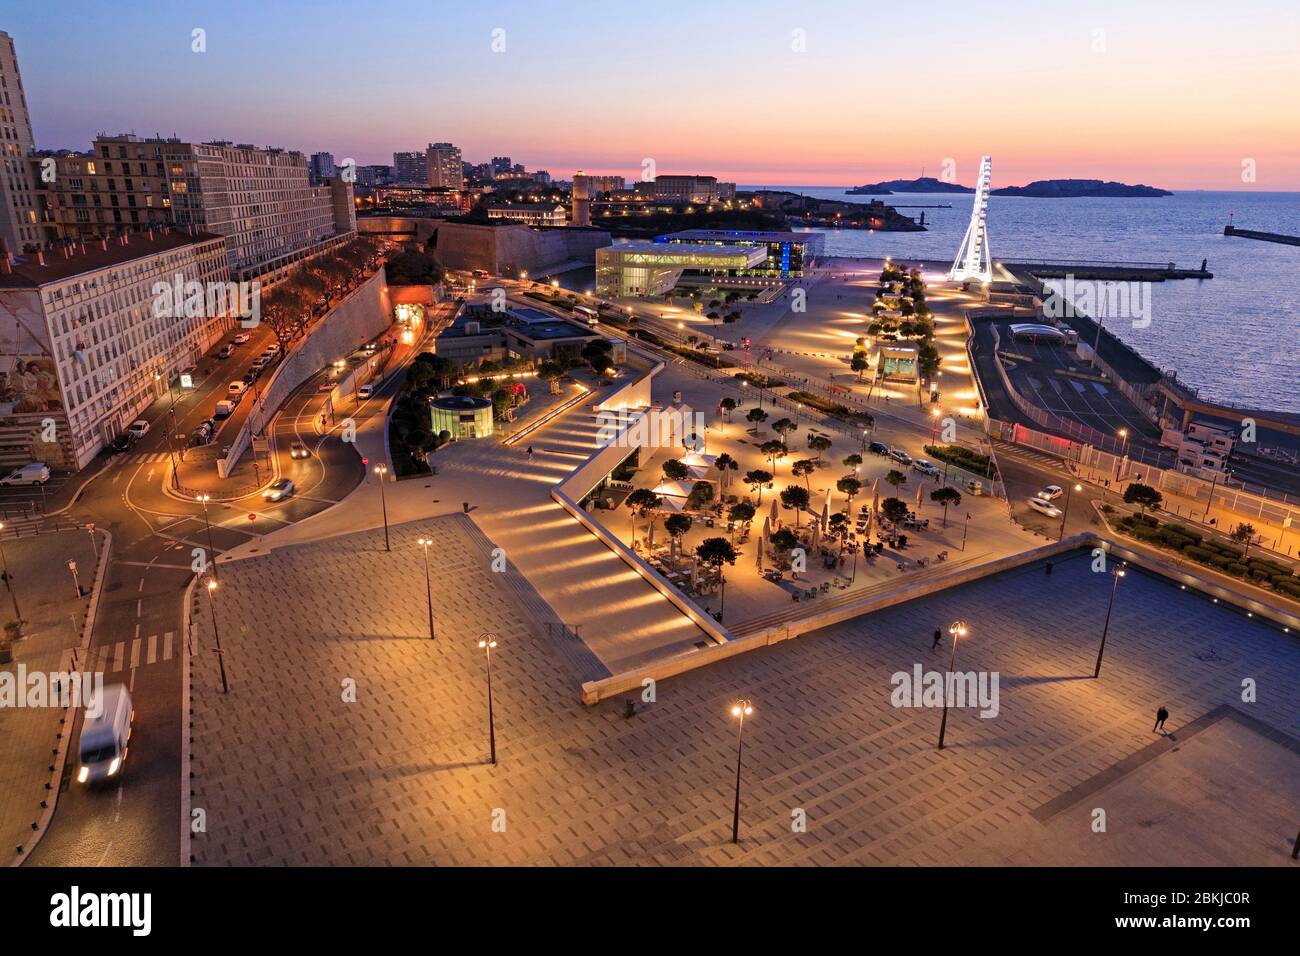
(1039, 189)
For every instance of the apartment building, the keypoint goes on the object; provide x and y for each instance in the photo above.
(411, 169)
(19, 228)
(87, 342)
(445, 168)
(120, 185)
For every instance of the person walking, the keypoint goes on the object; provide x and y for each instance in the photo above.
(938, 636)
(1161, 716)
(530, 453)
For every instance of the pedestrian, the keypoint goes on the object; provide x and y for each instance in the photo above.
(1161, 716)
(938, 636)
(530, 452)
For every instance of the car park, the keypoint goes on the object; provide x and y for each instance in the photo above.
(34, 473)
(878, 448)
(138, 428)
(1044, 507)
(298, 450)
(926, 467)
(900, 456)
(278, 490)
(1051, 493)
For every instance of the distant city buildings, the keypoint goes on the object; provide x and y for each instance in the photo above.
(686, 189)
(531, 213)
(322, 167)
(444, 167)
(18, 215)
(83, 341)
(410, 169)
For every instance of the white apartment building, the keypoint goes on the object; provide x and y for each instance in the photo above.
(18, 216)
(83, 350)
(445, 167)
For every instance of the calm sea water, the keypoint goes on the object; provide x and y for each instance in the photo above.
(1235, 337)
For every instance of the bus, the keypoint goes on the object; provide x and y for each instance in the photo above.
(590, 315)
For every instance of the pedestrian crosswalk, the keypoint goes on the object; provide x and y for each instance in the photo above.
(144, 456)
(130, 654)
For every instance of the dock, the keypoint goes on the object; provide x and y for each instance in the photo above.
(1262, 236)
(1111, 271)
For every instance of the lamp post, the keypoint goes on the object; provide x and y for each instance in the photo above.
(203, 500)
(1114, 586)
(381, 470)
(957, 629)
(9, 582)
(216, 634)
(428, 588)
(934, 431)
(740, 710)
(1065, 514)
(487, 642)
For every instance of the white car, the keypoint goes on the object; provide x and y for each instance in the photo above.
(236, 388)
(925, 468)
(365, 391)
(900, 456)
(278, 490)
(1051, 493)
(1044, 507)
(36, 473)
(241, 338)
(138, 428)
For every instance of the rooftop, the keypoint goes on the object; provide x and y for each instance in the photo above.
(65, 262)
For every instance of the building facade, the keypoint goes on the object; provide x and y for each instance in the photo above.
(685, 189)
(322, 167)
(530, 213)
(91, 334)
(19, 227)
(789, 254)
(410, 168)
(444, 167)
(654, 268)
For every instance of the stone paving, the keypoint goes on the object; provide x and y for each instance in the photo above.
(289, 773)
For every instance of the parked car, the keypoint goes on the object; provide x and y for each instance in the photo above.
(878, 448)
(35, 473)
(225, 408)
(203, 433)
(236, 388)
(104, 738)
(1044, 507)
(260, 363)
(271, 349)
(226, 351)
(365, 391)
(249, 378)
(925, 467)
(298, 450)
(1051, 493)
(242, 338)
(900, 456)
(121, 443)
(278, 490)
(138, 428)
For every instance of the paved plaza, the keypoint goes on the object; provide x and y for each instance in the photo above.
(288, 772)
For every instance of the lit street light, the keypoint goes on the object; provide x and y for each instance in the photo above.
(1114, 585)
(1065, 513)
(428, 588)
(741, 709)
(212, 552)
(487, 642)
(381, 470)
(9, 582)
(216, 634)
(958, 629)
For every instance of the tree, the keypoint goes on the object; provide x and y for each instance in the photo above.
(838, 528)
(741, 513)
(784, 541)
(756, 479)
(728, 406)
(701, 496)
(286, 311)
(859, 363)
(641, 502)
(802, 469)
(757, 416)
(1144, 496)
(946, 496)
(896, 477)
(796, 499)
(774, 450)
(783, 427)
(819, 444)
(716, 552)
(852, 461)
(1243, 534)
(676, 526)
(893, 509)
(849, 487)
(674, 470)
(725, 465)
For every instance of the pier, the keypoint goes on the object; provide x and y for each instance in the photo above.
(1115, 271)
(1262, 236)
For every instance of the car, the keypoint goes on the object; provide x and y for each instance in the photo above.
(728, 346)
(249, 378)
(900, 456)
(242, 338)
(226, 351)
(1051, 493)
(298, 450)
(325, 387)
(236, 388)
(34, 473)
(138, 428)
(925, 467)
(365, 391)
(1044, 507)
(278, 490)
(121, 443)
(102, 748)
(225, 408)
(878, 448)
(260, 363)
(271, 349)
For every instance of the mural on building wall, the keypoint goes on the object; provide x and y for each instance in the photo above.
(28, 384)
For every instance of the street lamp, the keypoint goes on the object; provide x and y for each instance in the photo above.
(203, 500)
(9, 582)
(934, 431)
(428, 589)
(1114, 586)
(221, 659)
(1069, 493)
(381, 470)
(957, 629)
(740, 710)
(486, 643)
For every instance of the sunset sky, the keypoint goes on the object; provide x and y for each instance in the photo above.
(1175, 95)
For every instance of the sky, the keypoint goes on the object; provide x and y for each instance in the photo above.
(1182, 95)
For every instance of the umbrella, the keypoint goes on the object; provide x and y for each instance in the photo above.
(816, 534)
(695, 571)
(920, 490)
(875, 496)
(776, 511)
(758, 554)
(767, 529)
(650, 536)
(826, 512)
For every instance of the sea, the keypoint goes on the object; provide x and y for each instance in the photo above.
(1235, 338)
